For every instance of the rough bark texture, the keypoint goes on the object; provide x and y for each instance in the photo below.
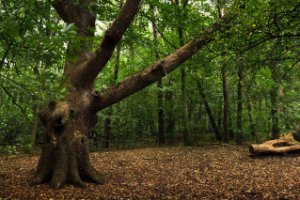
(286, 144)
(65, 156)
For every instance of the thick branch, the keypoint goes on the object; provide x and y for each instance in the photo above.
(77, 14)
(78, 51)
(89, 70)
(159, 69)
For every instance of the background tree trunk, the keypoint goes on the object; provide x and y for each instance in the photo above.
(225, 105)
(160, 94)
(251, 117)
(274, 96)
(239, 116)
(180, 8)
(107, 121)
(171, 121)
(209, 113)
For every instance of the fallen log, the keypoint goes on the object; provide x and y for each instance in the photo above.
(288, 143)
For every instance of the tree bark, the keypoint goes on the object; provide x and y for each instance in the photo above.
(283, 145)
(65, 156)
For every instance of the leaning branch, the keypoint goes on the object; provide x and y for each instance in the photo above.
(89, 70)
(159, 69)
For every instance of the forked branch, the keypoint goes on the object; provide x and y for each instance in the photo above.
(89, 71)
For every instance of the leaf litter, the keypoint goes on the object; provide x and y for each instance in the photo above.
(209, 172)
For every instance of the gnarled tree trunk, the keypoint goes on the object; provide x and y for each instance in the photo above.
(65, 154)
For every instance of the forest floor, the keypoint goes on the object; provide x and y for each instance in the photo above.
(209, 172)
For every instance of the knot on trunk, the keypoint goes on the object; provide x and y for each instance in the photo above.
(65, 154)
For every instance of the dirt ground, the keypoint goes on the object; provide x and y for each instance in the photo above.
(213, 172)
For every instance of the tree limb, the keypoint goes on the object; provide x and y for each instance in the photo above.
(14, 101)
(158, 69)
(77, 14)
(89, 70)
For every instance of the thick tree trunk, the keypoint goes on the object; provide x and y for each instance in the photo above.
(65, 155)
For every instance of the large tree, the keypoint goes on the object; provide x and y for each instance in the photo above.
(65, 155)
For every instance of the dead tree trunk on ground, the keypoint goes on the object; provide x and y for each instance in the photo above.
(284, 145)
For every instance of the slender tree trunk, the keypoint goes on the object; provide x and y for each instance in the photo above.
(161, 120)
(34, 130)
(251, 117)
(274, 95)
(225, 105)
(107, 121)
(107, 128)
(185, 113)
(160, 95)
(226, 109)
(275, 112)
(186, 132)
(209, 112)
(171, 121)
(219, 113)
(239, 120)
